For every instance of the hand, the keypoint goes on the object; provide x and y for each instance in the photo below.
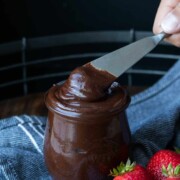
(168, 20)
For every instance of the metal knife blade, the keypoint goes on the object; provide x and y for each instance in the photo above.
(118, 61)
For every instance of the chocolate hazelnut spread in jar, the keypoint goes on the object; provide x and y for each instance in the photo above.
(87, 132)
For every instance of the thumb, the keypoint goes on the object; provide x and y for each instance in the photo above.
(171, 22)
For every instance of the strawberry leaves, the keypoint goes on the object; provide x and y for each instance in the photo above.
(170, 171)
(177, 150)
(123, 168)
(177, 170)
(130, 170)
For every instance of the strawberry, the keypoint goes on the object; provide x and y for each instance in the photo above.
(164, 164)
(129, 171)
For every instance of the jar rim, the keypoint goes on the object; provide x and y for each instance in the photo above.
(53, 104)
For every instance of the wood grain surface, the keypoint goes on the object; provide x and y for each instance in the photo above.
(32, 104)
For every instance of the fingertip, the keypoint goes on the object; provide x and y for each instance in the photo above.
(170, 24)
(157, 29)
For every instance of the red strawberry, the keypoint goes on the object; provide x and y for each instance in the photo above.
(130, 171)
(164, 164)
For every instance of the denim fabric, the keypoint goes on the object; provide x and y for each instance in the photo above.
(153, 115)
(21, 148)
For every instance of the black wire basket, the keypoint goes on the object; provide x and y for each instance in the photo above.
(33, 65)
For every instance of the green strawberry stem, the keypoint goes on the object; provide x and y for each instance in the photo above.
(122, 168)
(170, 171)
(177, 150)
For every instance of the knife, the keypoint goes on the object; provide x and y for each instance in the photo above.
(120, 60)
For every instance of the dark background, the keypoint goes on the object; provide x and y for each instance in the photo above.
(32, 18)
(30, 70)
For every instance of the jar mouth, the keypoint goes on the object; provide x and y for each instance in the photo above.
(111, 105)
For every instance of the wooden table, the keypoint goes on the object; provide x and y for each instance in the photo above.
(33, 104)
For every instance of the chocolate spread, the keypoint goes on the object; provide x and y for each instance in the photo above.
(87, 131)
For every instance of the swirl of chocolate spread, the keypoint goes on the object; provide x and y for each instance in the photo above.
(86, 90)
(87, 128)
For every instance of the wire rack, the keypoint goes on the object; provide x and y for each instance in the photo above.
(33, 64)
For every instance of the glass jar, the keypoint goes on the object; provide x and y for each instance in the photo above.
(86, 144)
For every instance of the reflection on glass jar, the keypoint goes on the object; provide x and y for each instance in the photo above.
(83, 141)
